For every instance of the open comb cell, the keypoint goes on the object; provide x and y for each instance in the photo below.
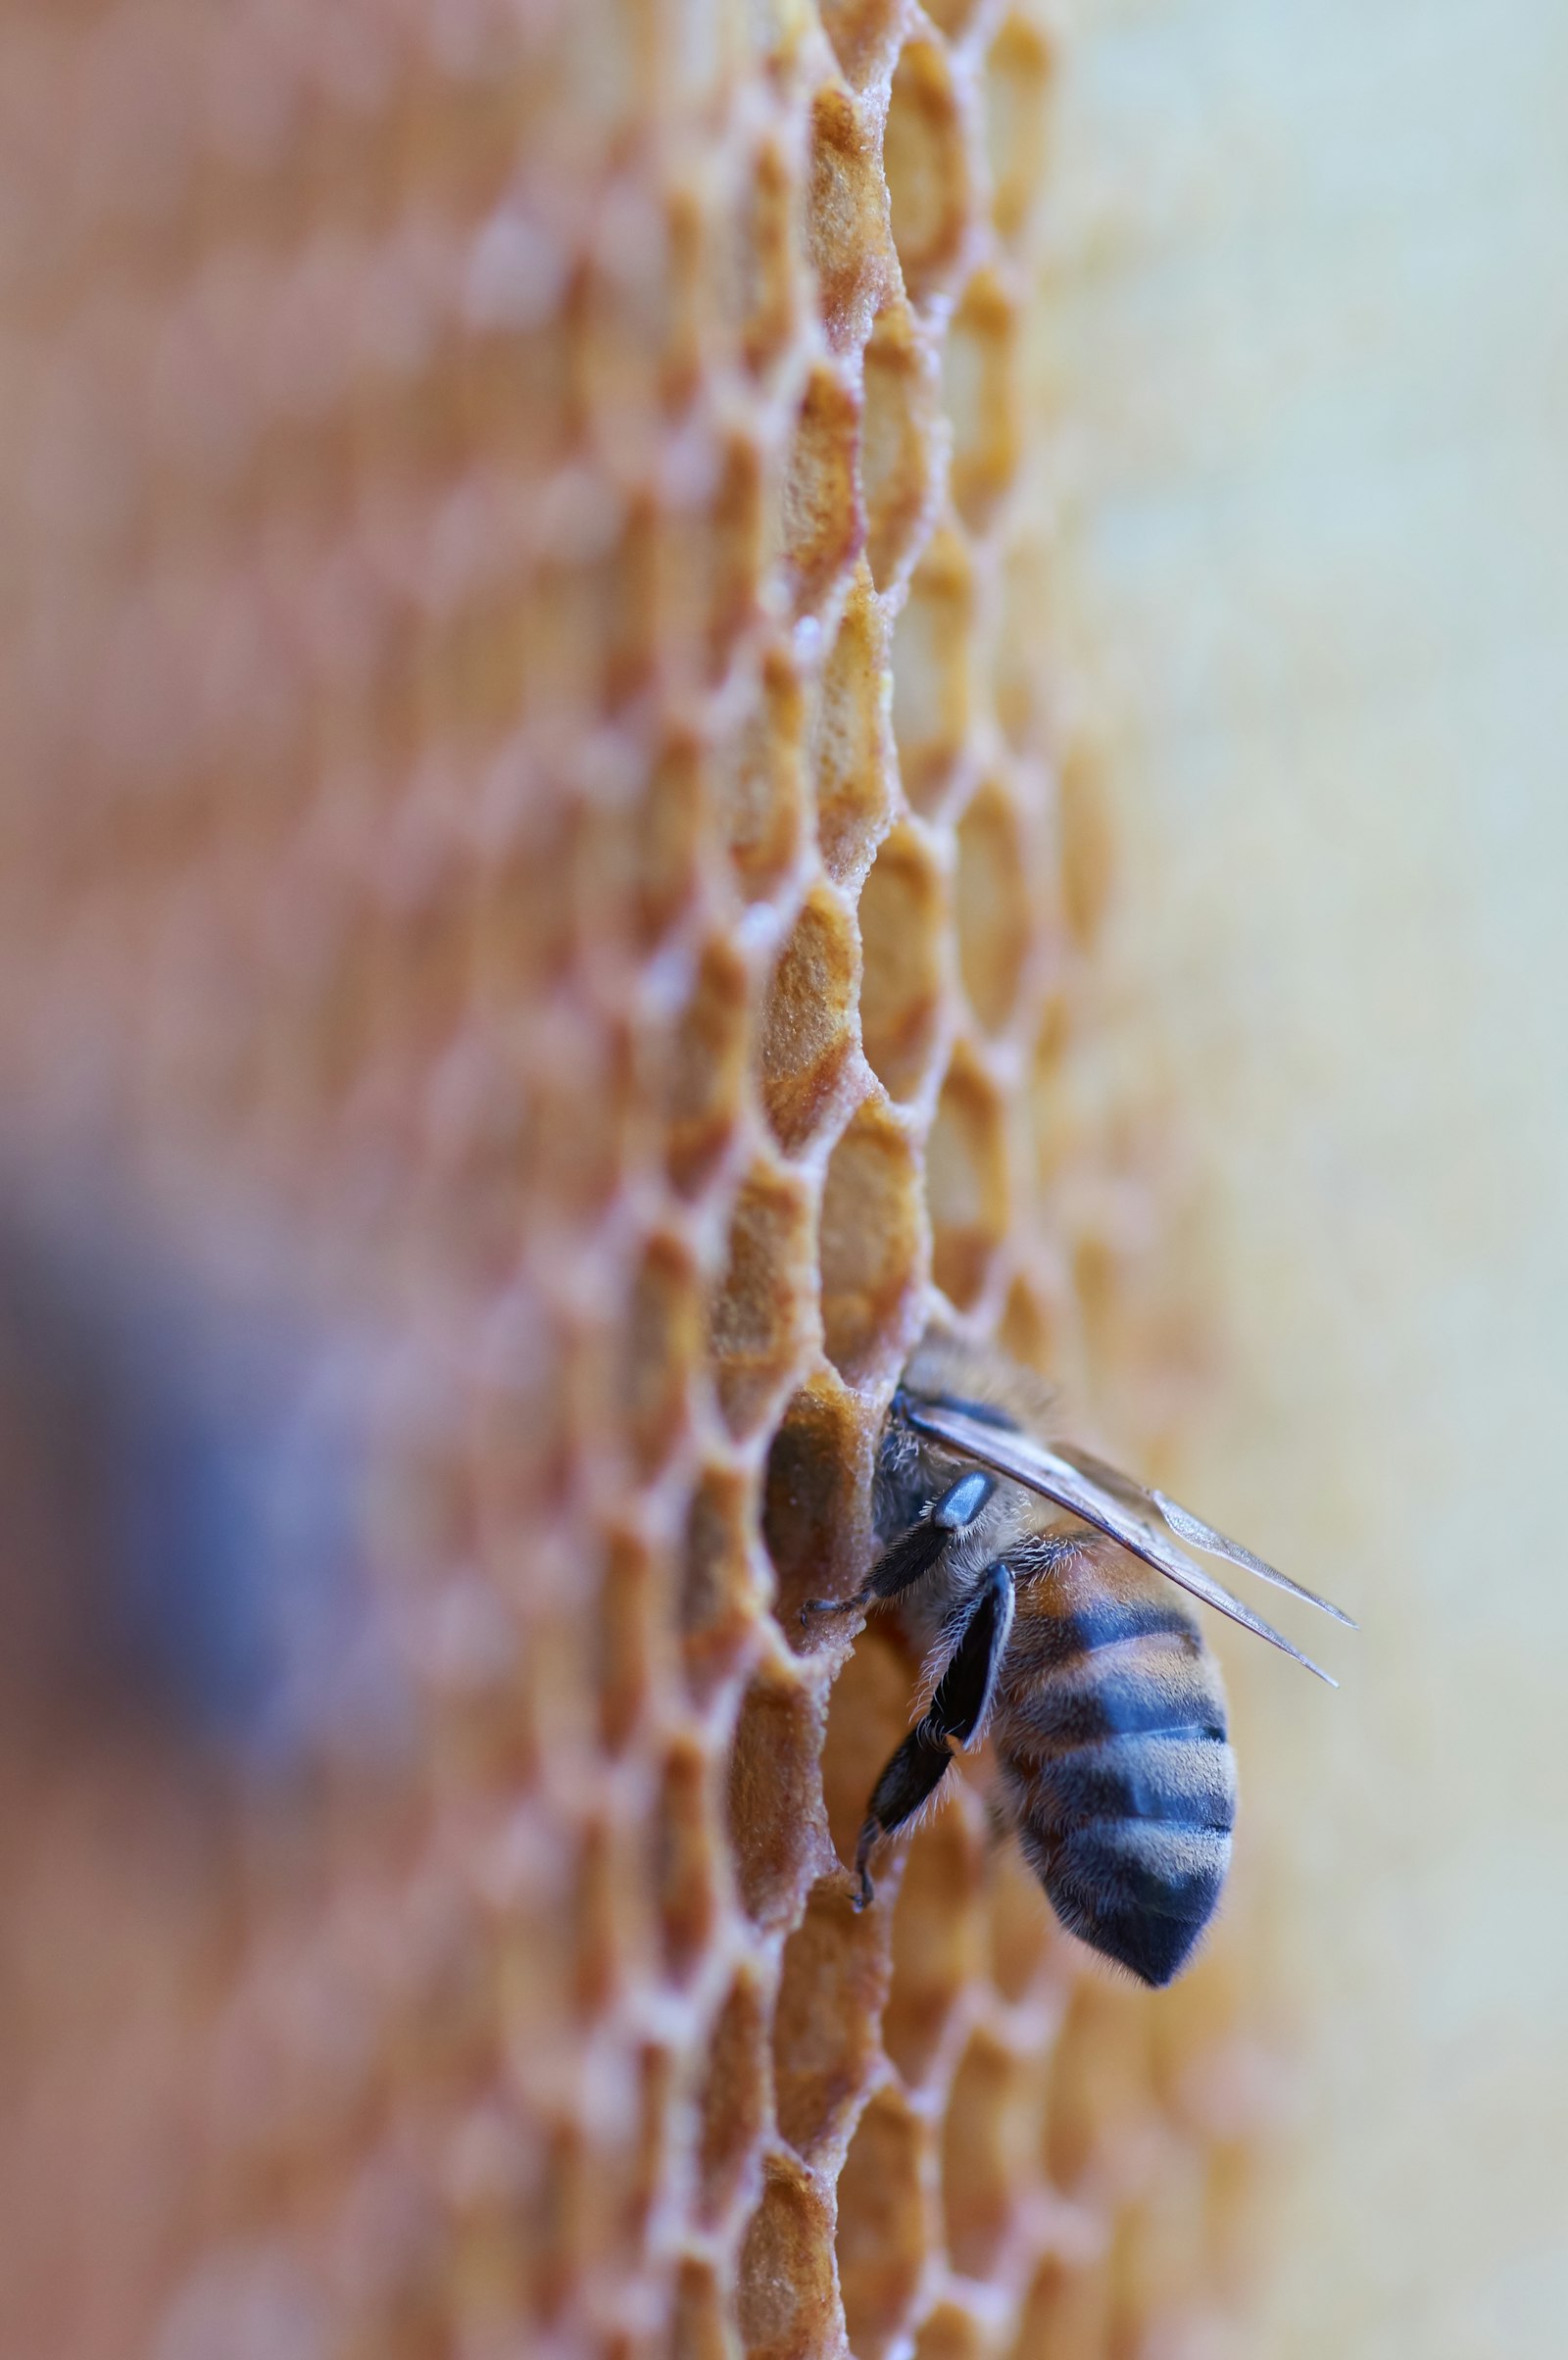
(528, 665)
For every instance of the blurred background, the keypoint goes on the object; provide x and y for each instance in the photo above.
(453, 1202)
(1315, 364)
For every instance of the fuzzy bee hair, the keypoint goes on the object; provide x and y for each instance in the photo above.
(1031, 1574)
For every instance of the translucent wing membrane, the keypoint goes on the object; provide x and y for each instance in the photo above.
(1204, 1536)
(1113, 1505)
(1189, 1527)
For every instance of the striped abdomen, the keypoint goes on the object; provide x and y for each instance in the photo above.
(1111, 1731)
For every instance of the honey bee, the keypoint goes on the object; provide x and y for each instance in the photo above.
(1107, 1708)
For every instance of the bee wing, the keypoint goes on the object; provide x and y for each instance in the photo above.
(1117, 1509)
(1204, 1536)
(1189, 1527)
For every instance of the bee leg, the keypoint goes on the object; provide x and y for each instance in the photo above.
(958, 1712)
(916, 1551)
(912, 1773)
(962, 1703)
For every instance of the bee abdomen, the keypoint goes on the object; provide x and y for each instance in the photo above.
(1173, 1777)
(1140, 1686)
(1131, 1839)
(1113, 1740)
(1138, 1891)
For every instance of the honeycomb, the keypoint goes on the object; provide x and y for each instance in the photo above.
(543, 816)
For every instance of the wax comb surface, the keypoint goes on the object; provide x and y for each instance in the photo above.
(535, 765)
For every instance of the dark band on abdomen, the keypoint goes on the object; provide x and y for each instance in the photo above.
(1112, 1741)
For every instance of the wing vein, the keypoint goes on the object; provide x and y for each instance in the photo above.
(1112, 1503)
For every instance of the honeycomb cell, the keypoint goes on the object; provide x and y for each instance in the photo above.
(1017, 90)
(775, 1810)
(868, 1714)
(822, 524)
(586, 636)
(489, 655)
(1039, 1329)
(577, 1117)
(718, 1596)
(882, 2228)
(1195, 2026)
(647, 602)
(1088, 847)
(639, 319)
(967, 1183)
(525, 397)
(541, 1714)
(485, 2174)
(481, 1668)
(952, 2333)
(432, 975)
(703, 1069)
(685, 1861)
(847, 210)
(1098, 2097)
(980, 393)
(704, 567)
(1022, 1951)
(663, 1340)
(477, 1118)
(400, 2252)
(786, 2307)
(760, 780)
(736, 551)
(1107, 1312)
(734, 2105)
(487, 2182)
(626, 1634)
(464, 129)
(1022, 679)
(653, 867)
(518, 944)
(522, 1416)
(601, 1918)
(445, 1994)
(870, 1238)
(992, 906)
(953, 18)
(987, 2159)
(925, 156)
(853, 745)
(807, 1035)
(1067, 2313)
(757, 1320)
(938, 1938)
(900, 439)
(831, 1990)
(1056, 1117)
(932, 687)
(1159, 2257)
(863, 34)
(650, 2159)
(698, 2327)
(903, 919)
(816, 1502)
(761, 286)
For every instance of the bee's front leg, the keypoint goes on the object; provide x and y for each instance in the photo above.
(916, 1551)
(956, 1715)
